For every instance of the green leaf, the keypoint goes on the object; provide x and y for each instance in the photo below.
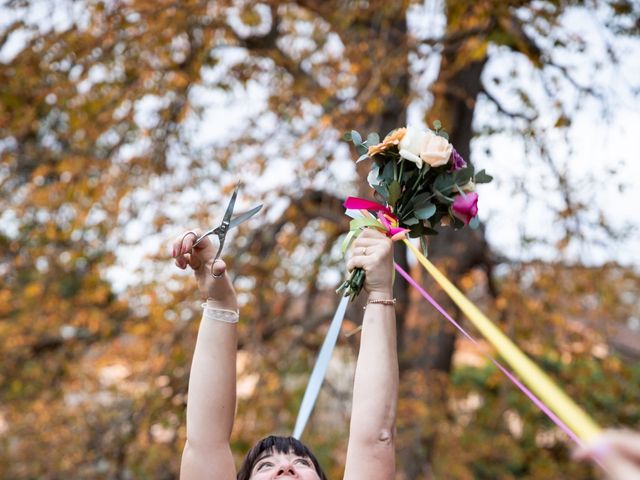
(443, 134)
(417, 230)
(421, 200)
(373, 139)
(362, 158)
(387, 172)
(394, 193)
(483, 177)
(383, 191)
(444, 182)
(443, 198)
(474, 223)
(346, 136)
(437, 124)
(356, 138)
(361, 149)
(464, 175)
(425, 212)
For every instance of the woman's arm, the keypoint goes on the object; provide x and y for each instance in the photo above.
(371, 450)
(212, 381)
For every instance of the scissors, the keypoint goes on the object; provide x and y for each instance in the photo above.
(227, 224)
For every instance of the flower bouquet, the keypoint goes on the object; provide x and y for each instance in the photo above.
(422, 184)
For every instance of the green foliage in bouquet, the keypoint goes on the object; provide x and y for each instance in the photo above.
(423, 182)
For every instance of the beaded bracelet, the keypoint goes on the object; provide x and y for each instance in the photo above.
(381, 301)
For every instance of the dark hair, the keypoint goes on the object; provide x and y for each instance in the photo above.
(274, 444)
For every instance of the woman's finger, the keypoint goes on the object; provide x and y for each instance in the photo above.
(183, 243)
(366, 241)
(192, 260)
(357, 261)
(371, 233)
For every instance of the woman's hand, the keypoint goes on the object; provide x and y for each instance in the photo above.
(618, 451)
(373, 252)
(218, 288)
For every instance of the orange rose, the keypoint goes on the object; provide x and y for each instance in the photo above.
(392, 139)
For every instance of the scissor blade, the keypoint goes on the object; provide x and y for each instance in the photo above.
(243, 217)
(229, 211)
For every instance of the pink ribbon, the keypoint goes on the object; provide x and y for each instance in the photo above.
(385, 215)
(554, 418)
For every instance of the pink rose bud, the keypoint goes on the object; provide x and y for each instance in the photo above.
(465, 207)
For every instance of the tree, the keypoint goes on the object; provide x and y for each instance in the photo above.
(97, 122)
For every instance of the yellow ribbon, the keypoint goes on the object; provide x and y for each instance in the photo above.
(538, 381)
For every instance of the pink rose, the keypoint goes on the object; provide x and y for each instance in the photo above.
(465, 207)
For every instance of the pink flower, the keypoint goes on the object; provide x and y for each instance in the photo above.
(465, 207)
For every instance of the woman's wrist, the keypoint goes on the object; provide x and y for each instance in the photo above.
(226, 304)
(381, 294)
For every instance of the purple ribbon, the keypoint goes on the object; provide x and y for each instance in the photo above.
(554, 418)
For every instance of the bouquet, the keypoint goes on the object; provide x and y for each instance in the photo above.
(422, 184)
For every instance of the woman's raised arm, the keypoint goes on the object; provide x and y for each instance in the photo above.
(212, 381)
(371, 450)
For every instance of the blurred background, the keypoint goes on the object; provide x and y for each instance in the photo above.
(125, 122)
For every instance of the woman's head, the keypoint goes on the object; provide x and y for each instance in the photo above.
(273, 455)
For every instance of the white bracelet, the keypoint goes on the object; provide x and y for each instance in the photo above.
(219, 314)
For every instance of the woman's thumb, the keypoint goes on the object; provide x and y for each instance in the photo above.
(219, 268)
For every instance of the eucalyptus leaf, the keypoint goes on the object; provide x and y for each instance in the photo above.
(373, 139)
(425, 212)
(421, 200)
(444, 182)
(464, 175)
(361, 149)
(362, 158)
(483, 177)
(443, 134)
(474, 223)
(411, 221)
(383, 191)
(417, 230)
(356, 138)
(372, 178)
(346, 136)
(437, 124)
(443, 199)
(394, 193)
(387, 172)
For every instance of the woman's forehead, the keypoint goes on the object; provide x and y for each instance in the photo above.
(275, 453)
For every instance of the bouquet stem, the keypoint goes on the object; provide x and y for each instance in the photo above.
(353, 285)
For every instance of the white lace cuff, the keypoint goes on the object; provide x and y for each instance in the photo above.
(219, 314)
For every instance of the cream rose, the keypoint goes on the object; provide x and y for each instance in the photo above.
(418, 147)
(412, 145)
(437, 150)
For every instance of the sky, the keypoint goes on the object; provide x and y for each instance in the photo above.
(596, 146)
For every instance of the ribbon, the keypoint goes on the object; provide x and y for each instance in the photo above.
(387, 221)
(538, 381)
(320, 369)
(552, 416)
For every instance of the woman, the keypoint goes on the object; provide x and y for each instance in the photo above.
(212, 384)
